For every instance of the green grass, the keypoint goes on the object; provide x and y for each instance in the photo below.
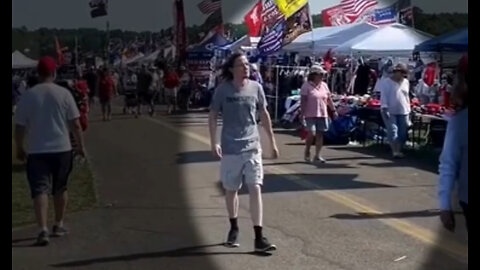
(80, 189)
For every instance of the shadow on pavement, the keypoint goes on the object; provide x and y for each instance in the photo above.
(30, 240)
(415, 159)
(273, 183)
(181, 252)
(195, 157)
(318, 165)
(409, 214)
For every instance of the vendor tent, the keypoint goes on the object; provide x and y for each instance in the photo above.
(451, 42)
(320, 40)
(151, 57)
(391, 40)
(133, 60)
(20, 61)
(245, 42)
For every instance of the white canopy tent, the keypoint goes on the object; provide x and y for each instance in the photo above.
(151, 57)
(392, 40)
(134, 59)
(320, 40)
(20, 61)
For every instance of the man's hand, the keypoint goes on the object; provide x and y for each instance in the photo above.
(448, 220)
(80, 151)
(21, 155)
(275, 152)
(217, 151)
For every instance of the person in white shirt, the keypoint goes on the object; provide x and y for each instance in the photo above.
(46, 114)
(395, 104)
(386, 75)
(422, 90)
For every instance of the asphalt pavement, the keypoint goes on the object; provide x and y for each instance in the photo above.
(161, 207)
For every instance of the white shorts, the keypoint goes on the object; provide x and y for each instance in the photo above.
(236, 168)
(171, 92)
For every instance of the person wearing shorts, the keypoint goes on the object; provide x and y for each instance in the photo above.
(315, 101)
(171, 83)
(395, 104)
(45, 117)
(239, 100)
(107, 90)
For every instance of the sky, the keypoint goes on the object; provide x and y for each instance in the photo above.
(153, 15)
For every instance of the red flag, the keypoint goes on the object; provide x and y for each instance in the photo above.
(180, 30)
(253, 20)
(59, 51)
(332, 16)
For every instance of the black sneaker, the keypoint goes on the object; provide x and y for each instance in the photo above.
(42, 239)
(59, 231)
(262, 245)
(232, 239)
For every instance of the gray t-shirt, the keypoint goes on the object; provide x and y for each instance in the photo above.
(239, 108)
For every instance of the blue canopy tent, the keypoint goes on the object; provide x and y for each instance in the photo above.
(451, 42)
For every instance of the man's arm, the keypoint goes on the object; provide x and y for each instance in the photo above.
(384, 99)
(73, 117)
(449, 165)
(215, 108)
(76, 129)
(266, 122)
(212, 126)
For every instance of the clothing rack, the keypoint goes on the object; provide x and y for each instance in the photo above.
(278, 68)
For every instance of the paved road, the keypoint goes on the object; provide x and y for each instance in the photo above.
(160, 207)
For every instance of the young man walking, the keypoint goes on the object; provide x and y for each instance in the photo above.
(239, 100)
(45, 116)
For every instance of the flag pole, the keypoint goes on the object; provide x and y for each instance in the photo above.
(311, 24)
(76, 57)
(413, 15)
(108, 44)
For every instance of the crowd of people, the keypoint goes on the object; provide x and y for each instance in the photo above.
(241, 101)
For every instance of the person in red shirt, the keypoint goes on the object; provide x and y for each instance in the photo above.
(171, 83)
(106, 92)
(82, 87)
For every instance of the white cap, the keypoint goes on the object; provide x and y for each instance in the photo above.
(318, 69)
(254, 67)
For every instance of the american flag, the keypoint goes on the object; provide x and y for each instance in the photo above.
(271, 15)
(209, 6)
(356, 8)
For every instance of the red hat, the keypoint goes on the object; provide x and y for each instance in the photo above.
(46, 66)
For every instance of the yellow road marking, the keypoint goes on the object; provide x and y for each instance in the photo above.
(347, 200)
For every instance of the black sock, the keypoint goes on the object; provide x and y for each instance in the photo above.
(258, 232)
(234, 224)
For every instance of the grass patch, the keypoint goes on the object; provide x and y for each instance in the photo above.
(80, 189)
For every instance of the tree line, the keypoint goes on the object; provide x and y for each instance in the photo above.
(36, 43)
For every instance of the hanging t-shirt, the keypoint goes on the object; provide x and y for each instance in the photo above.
(429, 75)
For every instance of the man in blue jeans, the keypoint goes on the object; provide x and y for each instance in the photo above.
(395, 104)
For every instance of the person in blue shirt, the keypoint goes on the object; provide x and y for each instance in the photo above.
(454, 158)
